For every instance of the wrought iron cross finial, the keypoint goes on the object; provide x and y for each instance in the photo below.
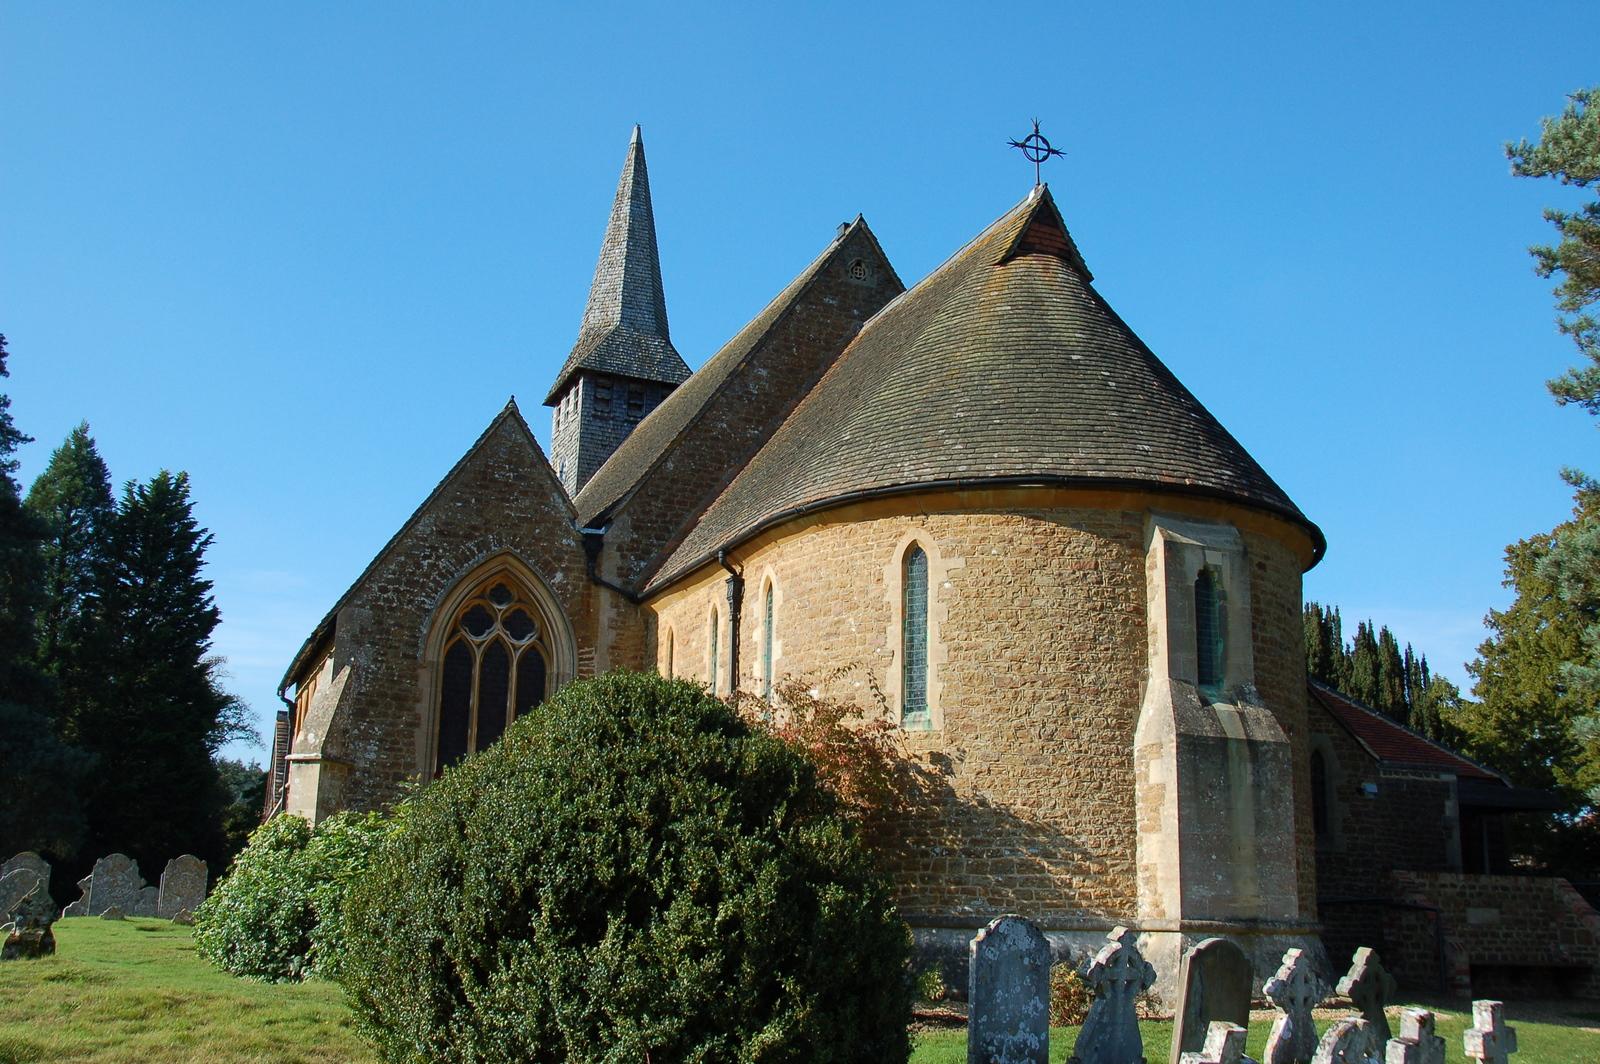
(1036, 149)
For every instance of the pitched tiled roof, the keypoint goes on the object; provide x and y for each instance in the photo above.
(1394, 743)
(662, 431)
(1003, 366)
(624, 329)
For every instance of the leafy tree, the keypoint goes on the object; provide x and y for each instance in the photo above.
(246, 788)
(158, 713)
(1568, 149)
(21, 574)
(72, 499)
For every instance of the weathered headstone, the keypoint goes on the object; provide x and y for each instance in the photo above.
(1117, 976)
(146, 905)
(114, 913)
(26, 925)
(183, 886)
(114, 881)
(1213, 984)
(29, 860)
(14, 886)
(1416, 1043)
(1008, 994)
(1224, 1044)
(1490, 1039)
(1295, 990)
(1348, 1041)
(81, 906)
(1370, 986)
(184, 917)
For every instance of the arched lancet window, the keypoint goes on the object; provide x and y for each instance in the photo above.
(715, 639)
(670, 650)
(495, 668)
(914, 638)
(766, 643)
(1210, 629)
(1319, 794)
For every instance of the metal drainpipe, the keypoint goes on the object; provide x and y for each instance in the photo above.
(735, 587)
(593, 540)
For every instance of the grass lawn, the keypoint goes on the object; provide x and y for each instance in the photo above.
(134, 991)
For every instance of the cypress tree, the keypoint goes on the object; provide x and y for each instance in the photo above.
(1391, 678)
(159, 712)
(72, 500)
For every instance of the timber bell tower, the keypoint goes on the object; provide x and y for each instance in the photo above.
(624, 363)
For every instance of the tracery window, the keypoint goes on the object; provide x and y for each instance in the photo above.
(495, 668)
(914, 639)
(715, 639)
(766, 643)
(1210, 629)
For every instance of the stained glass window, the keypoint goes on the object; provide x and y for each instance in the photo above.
(494, 670)
(1210, 629)
(914, 637)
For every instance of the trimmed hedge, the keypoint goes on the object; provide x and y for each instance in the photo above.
(631, 874)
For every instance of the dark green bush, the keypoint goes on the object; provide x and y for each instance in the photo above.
(632, 874)
(278, 913)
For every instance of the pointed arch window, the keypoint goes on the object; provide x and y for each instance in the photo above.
(495, 668)
(1210, 629)
(715, 639)
(914, 638)
(670, 650)
(766, 643)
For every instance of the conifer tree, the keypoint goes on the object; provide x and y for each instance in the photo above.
(40, 809)
(159, 712)
(72, 499)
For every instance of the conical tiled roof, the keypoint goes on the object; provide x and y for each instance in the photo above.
(1004, 366)
(624, 330)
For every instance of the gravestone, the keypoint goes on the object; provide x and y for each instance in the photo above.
(146, 905)
(14, 886)
(27, 922)
(1008, 994)
(183, 886)
(114, 881)
(1224, 1044)
(1370, 986)
(29, 860)
(1490, 1039)
(1348, 1041)
(114, 913)
(1213, 984)
(1117, 976)
(1416, 1043)
(1294, 991)
(183, 917)
(81, 906)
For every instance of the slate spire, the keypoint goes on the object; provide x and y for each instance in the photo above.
(624, 332)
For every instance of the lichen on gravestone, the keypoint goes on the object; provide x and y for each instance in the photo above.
(1490, 1039)
(1294, 991)
(1008, 994)
(1348, 1041)
(1224, 1044)
(183, 886)
(1370, 986)
(1116, 976)
(1416, 1043)
(1213, 984)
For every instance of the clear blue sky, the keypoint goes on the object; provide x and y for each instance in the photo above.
(306, 251)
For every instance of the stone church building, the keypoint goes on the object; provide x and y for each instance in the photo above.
(983, 496)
